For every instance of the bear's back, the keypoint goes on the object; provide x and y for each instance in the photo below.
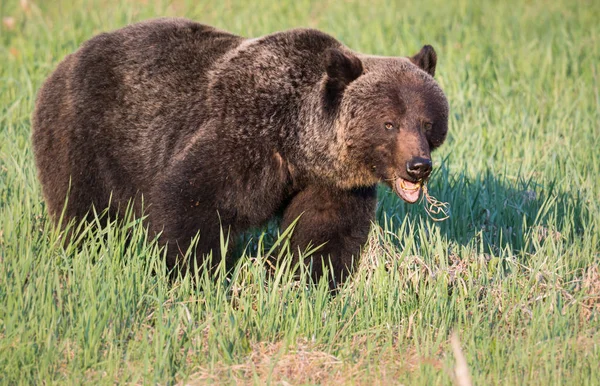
(144, 78)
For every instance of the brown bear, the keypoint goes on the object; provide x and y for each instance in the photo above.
(215, 130)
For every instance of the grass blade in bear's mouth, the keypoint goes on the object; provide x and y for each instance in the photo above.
(406, 190)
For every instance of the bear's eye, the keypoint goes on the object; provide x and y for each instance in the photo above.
(389, 126)
(427, 126)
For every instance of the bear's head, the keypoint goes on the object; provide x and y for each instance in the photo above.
(389, 115)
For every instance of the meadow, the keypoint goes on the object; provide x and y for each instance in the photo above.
(513, 275)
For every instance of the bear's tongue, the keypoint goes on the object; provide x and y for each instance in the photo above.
(408, 191)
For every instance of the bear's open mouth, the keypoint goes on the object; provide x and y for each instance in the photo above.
(408, 191)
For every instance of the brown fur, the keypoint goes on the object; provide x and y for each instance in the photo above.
(213, 129)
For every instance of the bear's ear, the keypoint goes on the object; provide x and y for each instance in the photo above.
(342, 69)
(426, 59)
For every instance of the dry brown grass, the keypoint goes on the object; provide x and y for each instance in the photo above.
(590, 284)
(274, 363)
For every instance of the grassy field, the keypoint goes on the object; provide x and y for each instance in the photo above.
(514, 272)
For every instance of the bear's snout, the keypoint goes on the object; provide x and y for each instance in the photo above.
(419, 168)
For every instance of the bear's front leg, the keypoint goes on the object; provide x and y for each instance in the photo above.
(180, 222)
(339, 219)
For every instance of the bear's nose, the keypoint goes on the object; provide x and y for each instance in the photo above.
(419, 168)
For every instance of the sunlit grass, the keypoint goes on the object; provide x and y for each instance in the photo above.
(514, 271)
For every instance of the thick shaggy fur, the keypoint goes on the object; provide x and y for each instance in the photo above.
(216, 130)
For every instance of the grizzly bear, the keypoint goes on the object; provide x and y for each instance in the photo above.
(214, 131)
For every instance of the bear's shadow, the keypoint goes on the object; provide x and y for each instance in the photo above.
(490, 212)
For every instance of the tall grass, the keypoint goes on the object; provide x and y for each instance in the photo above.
(514, 271)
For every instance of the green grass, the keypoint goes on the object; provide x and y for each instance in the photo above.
(515, 271)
